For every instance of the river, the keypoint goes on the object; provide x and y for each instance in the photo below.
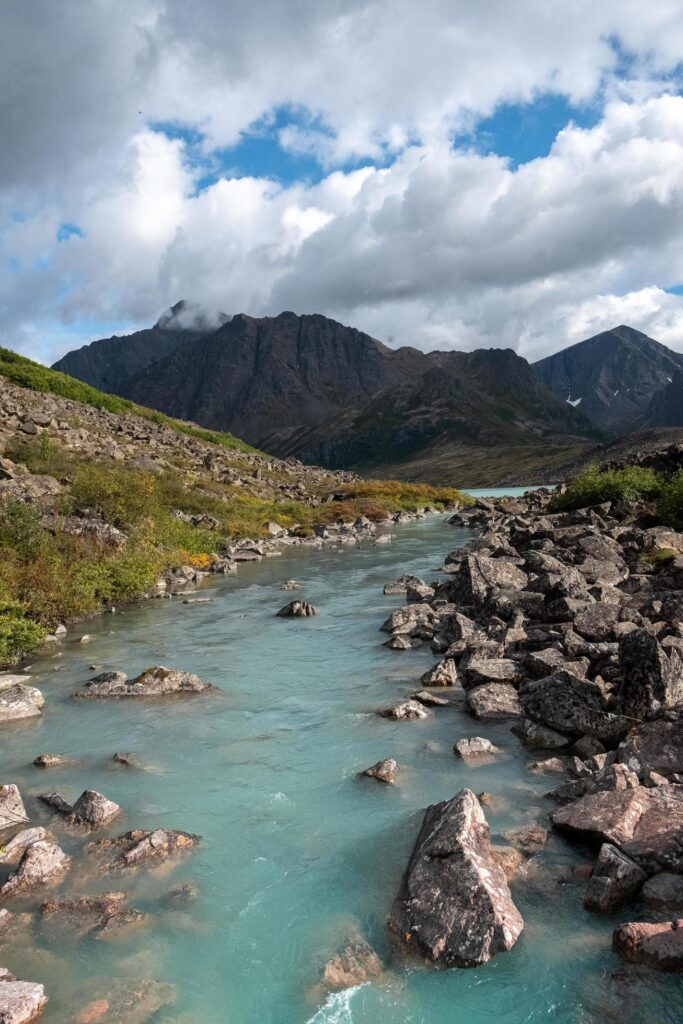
(296, 850)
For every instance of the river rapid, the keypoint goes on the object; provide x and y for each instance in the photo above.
(297, 852)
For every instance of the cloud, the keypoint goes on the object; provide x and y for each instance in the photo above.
(427, 244)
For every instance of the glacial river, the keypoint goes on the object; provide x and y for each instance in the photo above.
(297, 852)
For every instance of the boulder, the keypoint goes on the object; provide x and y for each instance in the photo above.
(539, 737)
(125, 759)
(656, 945)
(356, 964)
(454, 906)
(409, 619)
(141, 847)
(654, 746)
(400, 586)
(298, 610)
(41, 863)
(611, 778)
(17, 700)
(94, 809)
(615, 879)
(656, 840)
(474, 746)
(12, 810)
(444, 673)
(407, 709)
(481, 670)
(384, 770)
(540, 664)
(494, 702)
(431, 699)
(652, 680)
(20, 1001)
(48, 761)
(607, 817)
(154, 682)
(479, 575)
(597, 622)
(11, 852)
(664, 891)
(571, 705)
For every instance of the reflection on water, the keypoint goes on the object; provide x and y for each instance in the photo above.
(297, 852)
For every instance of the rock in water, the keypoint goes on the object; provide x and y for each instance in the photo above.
(657, 945)
(444, 673)
(141, 847)
(42, 862)
(154, 682)
(475, 746)
(384, 770)
(454, 906)
(20, 1001)
(355, 964)
(297, 610)
(94, 809)
(18, 700)
(12, 810)
(408, 709)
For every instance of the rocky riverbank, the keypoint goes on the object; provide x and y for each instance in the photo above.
(569, 627)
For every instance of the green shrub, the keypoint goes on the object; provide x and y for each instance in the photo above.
(39, 454)
(670, 504)
(20, 528)
(121, 495)
(17, 633)
(593, 486)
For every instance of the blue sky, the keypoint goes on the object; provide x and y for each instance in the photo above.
(383, 162)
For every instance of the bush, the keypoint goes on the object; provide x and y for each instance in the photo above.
(20, 528)
(17, 633)
(39, 454)
(121, 495)
(670, 504)
(593, 486)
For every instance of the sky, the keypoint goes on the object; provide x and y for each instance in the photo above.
(442, 173)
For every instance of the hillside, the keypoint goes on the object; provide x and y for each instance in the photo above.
(616, 378)
(309, 387)
(99, 498)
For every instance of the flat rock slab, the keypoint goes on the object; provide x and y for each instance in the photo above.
(494, 702)
(154, 682)
(656, 945)
(454, 906)
(141, 847)
(20, 1001)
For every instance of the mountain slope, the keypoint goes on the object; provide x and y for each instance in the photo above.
(613, 377)
(286, 370)
(110, 363)
(666, 406)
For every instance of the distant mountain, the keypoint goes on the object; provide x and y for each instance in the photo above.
(110, 364)
(666, 406)
(272, 374)
(313, 388)
(617, 379)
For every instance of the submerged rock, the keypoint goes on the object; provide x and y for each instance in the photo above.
(357, 963)
(99, 914)
(384, 770)
(141, 847)
(41, 863)
(154, 682)
(48, 761)
(126, 760)
(656, 945)
(298, 610)
(454, 907)
(20, 1001)
(127, 1002)
(12, 810)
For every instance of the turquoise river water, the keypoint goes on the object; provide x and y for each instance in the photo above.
(297, 852)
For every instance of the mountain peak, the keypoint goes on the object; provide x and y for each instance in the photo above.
(191, 316)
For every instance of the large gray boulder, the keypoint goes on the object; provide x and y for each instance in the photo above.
(454, 906)
(654, 746)
(42, 863)
(574, 706)
(652, 680)
(494, 702)
(20, 1001)
(479, 575)
(154, 682)
(18, 700)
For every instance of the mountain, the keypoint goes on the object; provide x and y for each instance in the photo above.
(666, 407)
(309, 387)
(110, 363)
(617, 378)
(286, 370)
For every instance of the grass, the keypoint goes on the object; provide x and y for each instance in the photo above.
(47, 578)
(27, 374)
